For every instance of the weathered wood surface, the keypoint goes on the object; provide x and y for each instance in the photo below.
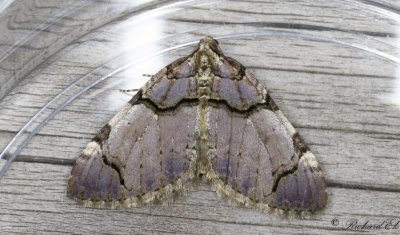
(334, 78)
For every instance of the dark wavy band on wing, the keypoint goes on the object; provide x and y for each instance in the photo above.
(153, 158)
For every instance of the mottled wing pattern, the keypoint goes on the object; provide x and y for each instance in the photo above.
(258, 159)
(204, 114)
(140, 156)
(177, 82)
(172, 84)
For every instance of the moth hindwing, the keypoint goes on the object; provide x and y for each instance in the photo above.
(204, 115)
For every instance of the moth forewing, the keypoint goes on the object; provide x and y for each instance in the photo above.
(204, 115)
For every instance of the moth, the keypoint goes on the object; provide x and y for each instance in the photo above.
(204, 115)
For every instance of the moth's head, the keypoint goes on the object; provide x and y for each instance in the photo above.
(207, 55)
(210, 43)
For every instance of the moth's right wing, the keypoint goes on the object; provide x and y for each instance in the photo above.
(141, 156)
(259, 160)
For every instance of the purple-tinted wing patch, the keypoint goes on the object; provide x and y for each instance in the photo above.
(92, 180)
(137, 159)
(160, 90)
(249, 93)
(178, 91)
(229, 92)
(256, 157)
(304, 191)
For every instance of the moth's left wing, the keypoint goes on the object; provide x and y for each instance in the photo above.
(143, 155)
(259, 160)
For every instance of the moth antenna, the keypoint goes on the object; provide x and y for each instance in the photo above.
(128, 92)
(147, 75)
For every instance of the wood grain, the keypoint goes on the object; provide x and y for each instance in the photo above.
(329, 65)
(200, 211)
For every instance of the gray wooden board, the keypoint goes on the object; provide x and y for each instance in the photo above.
(333, 94)
(199, 211)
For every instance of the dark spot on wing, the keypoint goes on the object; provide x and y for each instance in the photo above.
(136, 97)
(299, 144)
(103, 134)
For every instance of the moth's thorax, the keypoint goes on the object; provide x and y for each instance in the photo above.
(205, 83)
(205, 60)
